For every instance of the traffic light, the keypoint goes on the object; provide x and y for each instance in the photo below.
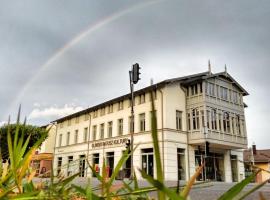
(207, 147)
(128, 145)
(136, 73)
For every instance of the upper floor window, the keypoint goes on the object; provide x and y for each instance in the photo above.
(223, 93)
(94, 132)
(86, 117)
(142, 121)
(179, 120)
(195, 119)
(85, 133)
(120, 105)
(68, 137)
(102, 131)
(60, 140)
(210, 89)
(61, 124)
(237, 124)
(226, 122)
(131, 125)
(214, 119)
(189, 121)
(120, 126)
(69, 122)
(77, 119)
(95, 113)
(76, 135)
(141, 98)
(194, 89)
(235, 97)
(110, 108)
(110, 129)
(102, 111)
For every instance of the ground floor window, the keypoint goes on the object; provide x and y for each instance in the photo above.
(148, 161)
(109, 163)
(59, 164)
(181, 164)
(95, 163)
(214, 166)
(234, 168)
(82, 168)
(70, 160)
(127, 167)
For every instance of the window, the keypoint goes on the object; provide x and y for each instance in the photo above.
(77, 120)
(76, 135)
(131, 125)
(220, 121)
(61, 124)
(210, 89)
(60, 140)
(110, 108)
(195, 119)
(94, 132)
(179, 120)
(202, 114)
(85, 133)
(59, 165)
(188, 116)
(141, 98)
(69, 122)
(208, 118)
(233, 127)
(110, 129)
(82, 168)
(68, 137)
(200, 88)
(95, 114)
(214, 119)
(235, 97)
(237, 125)
(102, 131)
(86, 117)
(226, 122)
(120, 105)
(120, 126)
(142, 121)
(102, 111)
(96, 163)
(224, 93)
(148, 161)
(154, 95)
(194, 89)
(70, 160)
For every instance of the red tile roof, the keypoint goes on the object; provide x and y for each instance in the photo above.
(261, 156)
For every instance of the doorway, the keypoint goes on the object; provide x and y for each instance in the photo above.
(148, 161)
(109, 163)
(181, 166)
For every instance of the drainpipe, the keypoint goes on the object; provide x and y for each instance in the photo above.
(185, 91)
(162, 132)
(88, 141)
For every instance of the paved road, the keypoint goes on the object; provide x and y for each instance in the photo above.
(208, 191)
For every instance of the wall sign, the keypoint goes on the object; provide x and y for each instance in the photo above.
(109, 143)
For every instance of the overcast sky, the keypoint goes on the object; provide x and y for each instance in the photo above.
(58, 57)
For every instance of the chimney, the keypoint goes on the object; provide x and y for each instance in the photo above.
(209, 67)
(254, 150)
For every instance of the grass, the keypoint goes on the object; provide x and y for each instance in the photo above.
(16, 177)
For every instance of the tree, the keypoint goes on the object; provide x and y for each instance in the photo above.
(35, 132)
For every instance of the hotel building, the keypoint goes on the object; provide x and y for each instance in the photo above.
(191, 111)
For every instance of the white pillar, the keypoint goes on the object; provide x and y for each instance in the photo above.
(227, 167)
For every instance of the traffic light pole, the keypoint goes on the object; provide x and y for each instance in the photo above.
(132, 124)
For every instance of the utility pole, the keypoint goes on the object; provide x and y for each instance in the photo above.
(133, 78)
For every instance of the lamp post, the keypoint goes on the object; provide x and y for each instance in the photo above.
(133, 79)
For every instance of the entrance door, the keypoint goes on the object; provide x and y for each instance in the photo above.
(214, 166)
(148, 161)
(234, 168)
(110, 163)
(181, 164)
(127, 168)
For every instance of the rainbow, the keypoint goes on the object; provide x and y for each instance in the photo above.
(83, 34)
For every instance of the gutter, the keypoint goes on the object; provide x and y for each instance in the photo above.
(162, 132)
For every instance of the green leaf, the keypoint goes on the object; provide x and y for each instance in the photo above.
(161, 187)
(236, 189)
